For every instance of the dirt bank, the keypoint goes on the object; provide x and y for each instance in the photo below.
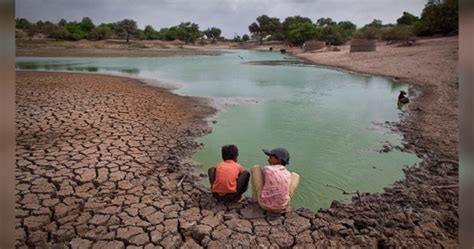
(100, 159)
(106, 48)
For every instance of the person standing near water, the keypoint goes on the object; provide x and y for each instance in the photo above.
(273, 185)
(229, 180)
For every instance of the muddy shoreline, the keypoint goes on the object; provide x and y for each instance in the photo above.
(67, 195)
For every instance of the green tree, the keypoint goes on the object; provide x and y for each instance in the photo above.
(212, 33)
(150, 33)
(101, 32)
(75, 31)
(237, 38)
(374, 24)
(407, 19)
(22, 23)
(367, 33)
(62, 22)
(293, 20)
(325, 22)
(347, 27)
(264, 26)
(188, 32)
(86, 25)
(128, 27)
(332, 34)
(438, 17)
(59, 32)
(245, 37)
(47, 28)
(168, 34)
(300, 32)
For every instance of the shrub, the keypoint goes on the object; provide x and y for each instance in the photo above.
(398, 33)
(369, 33)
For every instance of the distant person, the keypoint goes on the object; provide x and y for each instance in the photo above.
(402, 99)
(229, 180)
(273, 185)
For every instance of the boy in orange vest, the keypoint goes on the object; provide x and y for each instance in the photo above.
(229, 180)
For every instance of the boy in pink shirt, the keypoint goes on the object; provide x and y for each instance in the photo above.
(273, 185)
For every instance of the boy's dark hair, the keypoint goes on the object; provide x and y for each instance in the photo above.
(230, 152)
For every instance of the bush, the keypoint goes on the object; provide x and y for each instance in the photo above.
(101, 32)
(369, 33)
(332, 34)
(398, 33)
(59, 32)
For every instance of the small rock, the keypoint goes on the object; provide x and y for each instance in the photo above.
(108, 245)
(200, 231)
(78, 243)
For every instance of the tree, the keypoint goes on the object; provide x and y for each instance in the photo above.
(59, 32)
(128, 27)
(168, 34)
(101, 32)
(188, 32)
(367, 33)
(75, 31)
(407, 19)
(266, 26)
(47, 28)
(22, 23)
(438, 17)
(300, 32)
(150, 33)
(374, 24)
(325, 22)
(237, 38)
(86, 25)
(245, 37)
(212, 33)
(293, 20)
(332, 34)
(347, 27)
(62, 22)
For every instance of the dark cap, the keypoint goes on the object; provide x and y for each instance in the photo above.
(280, 153)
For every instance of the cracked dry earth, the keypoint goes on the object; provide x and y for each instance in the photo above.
(100, 160)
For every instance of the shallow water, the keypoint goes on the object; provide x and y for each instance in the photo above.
(330, 121)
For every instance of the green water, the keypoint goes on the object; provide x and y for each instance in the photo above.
(329, 120)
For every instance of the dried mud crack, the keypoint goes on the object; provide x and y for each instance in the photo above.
(99, 159)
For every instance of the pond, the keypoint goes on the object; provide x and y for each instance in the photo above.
(332, 122)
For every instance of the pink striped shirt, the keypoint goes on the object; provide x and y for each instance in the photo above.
(276, 189)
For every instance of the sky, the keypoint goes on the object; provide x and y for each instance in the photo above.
(231, 16)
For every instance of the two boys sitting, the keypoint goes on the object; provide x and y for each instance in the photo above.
(272, 186)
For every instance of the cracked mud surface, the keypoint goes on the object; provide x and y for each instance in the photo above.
(99, 159)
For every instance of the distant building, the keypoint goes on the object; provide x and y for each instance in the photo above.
(363, 45)
(313, 45)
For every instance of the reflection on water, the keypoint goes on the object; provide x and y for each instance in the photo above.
(78, 67)
(324, 117)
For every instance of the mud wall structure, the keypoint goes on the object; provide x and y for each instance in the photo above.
(313, 45)
(363, 45)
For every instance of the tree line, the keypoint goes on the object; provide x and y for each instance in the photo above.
(125, 29)
(437, 17)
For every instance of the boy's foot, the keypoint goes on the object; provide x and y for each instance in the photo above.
(242, 199)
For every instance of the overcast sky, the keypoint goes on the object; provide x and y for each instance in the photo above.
(231, 16)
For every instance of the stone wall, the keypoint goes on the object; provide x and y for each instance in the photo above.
(313, 45)
(363, 45)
